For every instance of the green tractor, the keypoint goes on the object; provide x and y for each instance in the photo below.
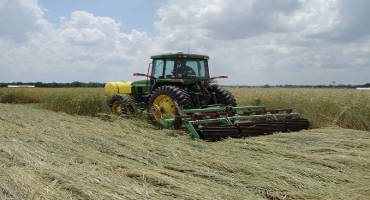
(179, 92)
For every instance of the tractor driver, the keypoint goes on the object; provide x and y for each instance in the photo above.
(183, 70)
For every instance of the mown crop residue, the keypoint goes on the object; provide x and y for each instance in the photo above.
(54, 155)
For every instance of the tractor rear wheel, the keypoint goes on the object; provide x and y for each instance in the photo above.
(223, 96)
(166, 102)
(122, 104)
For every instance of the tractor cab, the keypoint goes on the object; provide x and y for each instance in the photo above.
(180, 66)
(187, 72)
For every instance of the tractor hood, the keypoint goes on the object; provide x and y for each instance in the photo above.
(140, 83)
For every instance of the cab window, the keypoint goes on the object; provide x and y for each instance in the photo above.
(202, 69)
(170, 65)
(158, 67)
(191, 69)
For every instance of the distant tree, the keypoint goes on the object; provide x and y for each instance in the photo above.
(76, 84)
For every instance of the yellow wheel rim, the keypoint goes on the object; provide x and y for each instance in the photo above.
(117, 108)
(163, 108)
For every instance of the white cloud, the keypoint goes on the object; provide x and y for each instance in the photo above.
(252, 41)
(82, 47)
(18, 18)
(269, 41)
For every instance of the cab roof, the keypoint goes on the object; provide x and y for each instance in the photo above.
(180, 55)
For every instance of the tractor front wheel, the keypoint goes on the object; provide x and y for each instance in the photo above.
(223, 96)
(166, 102)
(122, 104)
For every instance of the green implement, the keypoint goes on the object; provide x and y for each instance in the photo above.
(217, 123)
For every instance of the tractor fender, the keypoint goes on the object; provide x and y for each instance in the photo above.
(159, 84)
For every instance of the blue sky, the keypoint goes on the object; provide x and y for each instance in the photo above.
(133, 14)
(254, 43)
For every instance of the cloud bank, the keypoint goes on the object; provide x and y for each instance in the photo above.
(252, 41)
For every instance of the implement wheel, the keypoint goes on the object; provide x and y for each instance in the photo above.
(166, 101)
(223, 96)
(122, 105)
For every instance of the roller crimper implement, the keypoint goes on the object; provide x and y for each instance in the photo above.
(223, 122)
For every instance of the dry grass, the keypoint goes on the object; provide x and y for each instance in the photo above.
(80, 101)
(49, 155)
(21, 95)
(346, 108)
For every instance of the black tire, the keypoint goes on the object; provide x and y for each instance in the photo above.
(180, 97)
(126, 103)
(223, 96)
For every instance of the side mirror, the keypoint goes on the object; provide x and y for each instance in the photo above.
(140, 74)
(213, 79)
(219, 77)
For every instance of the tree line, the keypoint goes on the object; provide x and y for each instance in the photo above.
(57, 85)
(366, 85)
(97, 85)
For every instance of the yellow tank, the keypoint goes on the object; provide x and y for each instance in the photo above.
(122, 87)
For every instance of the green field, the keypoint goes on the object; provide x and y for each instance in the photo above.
(93, 155)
